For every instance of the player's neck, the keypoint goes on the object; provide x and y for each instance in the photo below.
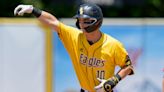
(93, 36)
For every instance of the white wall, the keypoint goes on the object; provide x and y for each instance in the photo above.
(22, 58)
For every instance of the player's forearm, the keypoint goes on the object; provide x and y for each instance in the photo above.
(109, 84)
(49, 20)
(125, 71)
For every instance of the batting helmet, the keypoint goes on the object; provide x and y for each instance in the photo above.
(90, 11)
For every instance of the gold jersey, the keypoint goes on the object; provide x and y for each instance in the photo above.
(92, 61)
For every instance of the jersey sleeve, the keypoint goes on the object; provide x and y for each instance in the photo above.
(120, 55)
(68, 35)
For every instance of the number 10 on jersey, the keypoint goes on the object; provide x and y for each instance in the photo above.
(100, 74)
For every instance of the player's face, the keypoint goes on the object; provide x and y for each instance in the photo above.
(85, 22)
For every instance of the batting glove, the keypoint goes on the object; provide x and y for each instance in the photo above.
(109, 84)
(100, 88)
(21, 9)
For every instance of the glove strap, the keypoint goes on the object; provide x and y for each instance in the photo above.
(36, 12)
(111, 83)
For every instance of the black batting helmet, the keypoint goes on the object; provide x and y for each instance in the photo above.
(90, 11)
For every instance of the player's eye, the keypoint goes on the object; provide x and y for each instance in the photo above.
(89, 22)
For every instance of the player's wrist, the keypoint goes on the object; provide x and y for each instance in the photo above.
(117, 78)
(36, 12)
(111, 83)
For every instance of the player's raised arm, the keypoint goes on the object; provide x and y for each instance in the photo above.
(42, 16)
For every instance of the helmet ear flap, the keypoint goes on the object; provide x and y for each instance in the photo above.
(77, 24)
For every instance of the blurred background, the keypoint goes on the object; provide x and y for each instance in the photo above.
(111, 8)
(33, 59)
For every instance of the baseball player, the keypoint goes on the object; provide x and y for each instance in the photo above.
(94, 54)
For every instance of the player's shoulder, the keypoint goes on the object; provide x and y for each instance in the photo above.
(114, 42)
(67, 27)
(112, 39)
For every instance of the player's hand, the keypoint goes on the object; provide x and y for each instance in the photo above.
(108, 85)
(21, 9)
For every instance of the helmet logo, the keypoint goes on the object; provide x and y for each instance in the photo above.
(81, 10)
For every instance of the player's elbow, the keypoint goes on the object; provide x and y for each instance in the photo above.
(130, 70)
